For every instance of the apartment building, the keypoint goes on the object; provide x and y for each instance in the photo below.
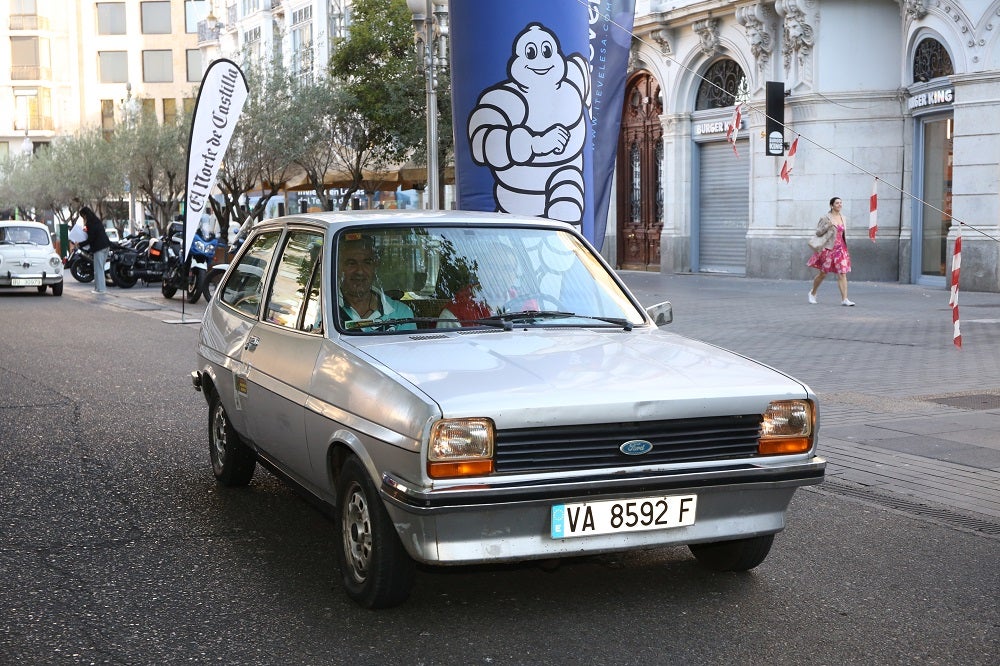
(72, 64)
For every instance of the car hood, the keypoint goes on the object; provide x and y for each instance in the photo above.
(25, 251)
(546, 376)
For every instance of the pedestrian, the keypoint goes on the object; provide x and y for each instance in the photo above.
(832, 256)
(99, 244)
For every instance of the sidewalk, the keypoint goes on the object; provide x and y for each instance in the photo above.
(906, 419)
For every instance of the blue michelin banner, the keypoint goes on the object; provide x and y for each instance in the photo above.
(536, 101)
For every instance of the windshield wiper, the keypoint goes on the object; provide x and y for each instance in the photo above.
(382, 324)
(534, 315)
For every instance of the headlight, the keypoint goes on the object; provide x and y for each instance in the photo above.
(787, 427)
(460, 447)
(55, 261)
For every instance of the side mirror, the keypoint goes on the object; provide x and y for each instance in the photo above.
(661, 313)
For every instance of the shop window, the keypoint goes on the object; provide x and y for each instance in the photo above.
(931, 61)
(724, 84)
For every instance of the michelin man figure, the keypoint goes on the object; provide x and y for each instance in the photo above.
(530, 130)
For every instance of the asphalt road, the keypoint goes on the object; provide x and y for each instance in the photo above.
(117, 547)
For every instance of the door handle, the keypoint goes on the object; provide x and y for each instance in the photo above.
(252, 343)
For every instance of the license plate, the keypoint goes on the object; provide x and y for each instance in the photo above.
(627, 515)
(26, 282)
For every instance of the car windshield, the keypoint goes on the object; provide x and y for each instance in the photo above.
(420, 277)
(26, 235)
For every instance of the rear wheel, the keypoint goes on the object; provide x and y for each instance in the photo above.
(123, 276)
(736, 555)
(374, 566)
(233, 462)
(41, 289)
(212, 284)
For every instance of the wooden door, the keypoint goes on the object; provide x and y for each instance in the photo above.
(640, 175)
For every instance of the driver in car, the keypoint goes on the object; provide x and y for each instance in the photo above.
(362, 305)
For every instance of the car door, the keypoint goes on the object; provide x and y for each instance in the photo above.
(281, 352)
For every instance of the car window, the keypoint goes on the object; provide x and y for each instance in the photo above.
(245, 284)
(295, 300)
(27, 235)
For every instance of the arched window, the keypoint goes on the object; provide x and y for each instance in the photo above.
(724, 84)
(931, 61)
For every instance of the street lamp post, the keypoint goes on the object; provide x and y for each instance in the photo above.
(129, 107)
(430, 27)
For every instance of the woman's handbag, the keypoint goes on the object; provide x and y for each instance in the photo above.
(817, 242)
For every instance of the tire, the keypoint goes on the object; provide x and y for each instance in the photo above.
(41, 289)
(82, 270)
(195, 285)
(737, 555)
(123, 276)
(375, 569)
(57, 289)
(212, 284)
(233, 462)
(168, 289)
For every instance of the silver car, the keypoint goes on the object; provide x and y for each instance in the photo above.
(27, 257)
(469, 387)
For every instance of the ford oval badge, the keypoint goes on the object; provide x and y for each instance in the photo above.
(635, 447)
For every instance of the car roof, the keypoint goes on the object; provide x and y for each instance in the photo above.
(23, 223)
(335, 220)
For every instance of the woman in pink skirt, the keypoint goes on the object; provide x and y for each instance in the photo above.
(832, 257)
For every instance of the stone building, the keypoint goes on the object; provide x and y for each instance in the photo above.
(902, 90)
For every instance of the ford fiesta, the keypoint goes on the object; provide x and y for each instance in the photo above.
(467, 388)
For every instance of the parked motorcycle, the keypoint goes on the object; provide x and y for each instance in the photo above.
(143, 259)
(175, 274)
(81, 266)
(201, 256)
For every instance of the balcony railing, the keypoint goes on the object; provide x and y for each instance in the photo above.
(28, 22)
(30, 73)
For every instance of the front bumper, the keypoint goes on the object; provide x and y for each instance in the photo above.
(9, 279)
(503, 523)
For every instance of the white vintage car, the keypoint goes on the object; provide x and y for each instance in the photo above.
(27, 258)
(468, 387)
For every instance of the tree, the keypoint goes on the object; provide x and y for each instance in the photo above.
(154, 158)
(378, 67)
(317, 119)
(263, 149)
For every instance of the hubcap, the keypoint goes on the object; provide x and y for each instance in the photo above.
(218, 439)
(357, 533)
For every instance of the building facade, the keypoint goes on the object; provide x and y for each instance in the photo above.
(905, 91)
(72, 65)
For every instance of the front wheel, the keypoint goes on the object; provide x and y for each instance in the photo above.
(195, 284)
(233, 462)
(736, 555)
(123, 276)
(57, 289)
(82, 270)
(374, 566)
(170, 281)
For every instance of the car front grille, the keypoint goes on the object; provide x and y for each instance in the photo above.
(596, 446)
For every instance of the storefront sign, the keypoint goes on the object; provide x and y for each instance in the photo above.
(717, 127)
(931, 97)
